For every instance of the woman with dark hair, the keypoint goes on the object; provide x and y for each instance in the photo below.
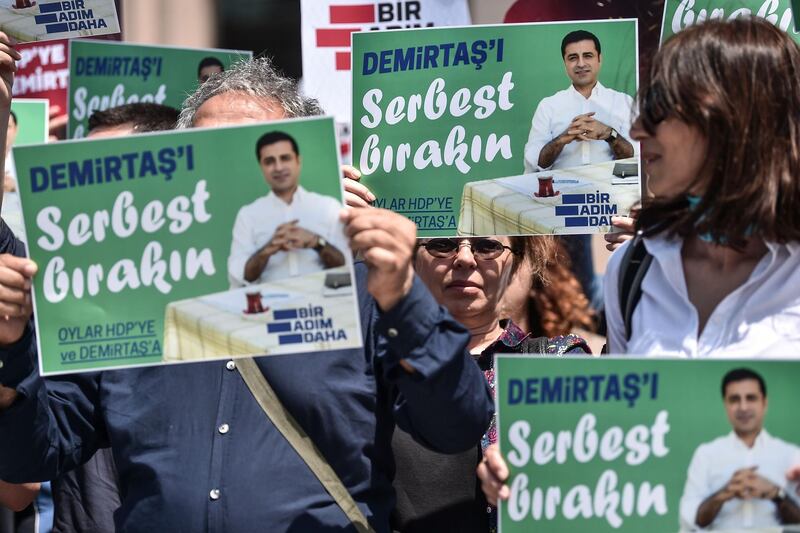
(469, 277)
(719, 128)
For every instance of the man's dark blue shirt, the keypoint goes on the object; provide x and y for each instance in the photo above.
(194, 452)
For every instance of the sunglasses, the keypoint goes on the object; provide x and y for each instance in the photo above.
(483, 249)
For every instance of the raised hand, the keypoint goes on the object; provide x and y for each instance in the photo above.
(386, 241)
(355, 194)
(15, 296)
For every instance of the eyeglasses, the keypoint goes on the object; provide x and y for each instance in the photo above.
(483, 249)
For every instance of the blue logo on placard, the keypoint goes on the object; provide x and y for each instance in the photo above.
(585, 210)
(304, 324)
(71, 15)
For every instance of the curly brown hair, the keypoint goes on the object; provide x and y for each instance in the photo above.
(556, 303)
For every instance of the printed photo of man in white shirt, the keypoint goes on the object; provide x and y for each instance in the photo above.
(738, 481)
(585, 123)
(290, 231)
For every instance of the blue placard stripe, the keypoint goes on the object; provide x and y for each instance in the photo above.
(290, 339)
(565, 210)
(46, 19)
(57, 28)
(279, 327)
(573, 199)
(51, 7)
(283, 314)
(576, 222)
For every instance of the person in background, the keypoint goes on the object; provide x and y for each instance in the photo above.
(208, 67)
(545, 298)
(469, 277)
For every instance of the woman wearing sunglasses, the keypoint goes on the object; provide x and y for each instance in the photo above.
(719, 129)
(469, 277)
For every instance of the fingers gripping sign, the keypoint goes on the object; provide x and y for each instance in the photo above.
(493, 473)
(8, 66)
(386, 241)
(355, 193)
(626, 230)
(15, 296)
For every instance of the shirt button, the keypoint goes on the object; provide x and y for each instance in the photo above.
(2, 364)
(224, 428)
(214, 494)
(392, 332)
(230, 365)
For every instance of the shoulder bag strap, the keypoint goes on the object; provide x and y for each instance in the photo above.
(633, 268)
(302, 443)
(536, 345)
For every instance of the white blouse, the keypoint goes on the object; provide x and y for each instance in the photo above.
(761, 318)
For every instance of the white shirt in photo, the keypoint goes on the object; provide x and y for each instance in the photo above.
(555, 113)
(761, 318)
(256, 224)
(713, 465)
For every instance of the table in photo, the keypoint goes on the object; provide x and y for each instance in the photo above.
(217, 325)
(507, 206)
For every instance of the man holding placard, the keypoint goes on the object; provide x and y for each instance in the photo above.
(738, 480)
(191, 444)
(585, 123)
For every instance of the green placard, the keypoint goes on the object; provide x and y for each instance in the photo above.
(133, 237)
(679, 14)
(32, 120)
(605, 444)
(31, 128)
(435, 109)
(105, 74)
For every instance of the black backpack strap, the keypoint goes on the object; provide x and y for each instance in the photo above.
(536, 345)
(632, 270)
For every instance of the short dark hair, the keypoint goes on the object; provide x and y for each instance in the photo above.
(719, 77)
(209, 62)
(578, 36)
(273, 137)
(742, 374)
(14, 116)
(144, 116)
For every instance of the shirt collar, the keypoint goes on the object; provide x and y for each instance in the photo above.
(761, 440)
(598, 88)
(299, 195)
(792, 247)
(511, 337)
